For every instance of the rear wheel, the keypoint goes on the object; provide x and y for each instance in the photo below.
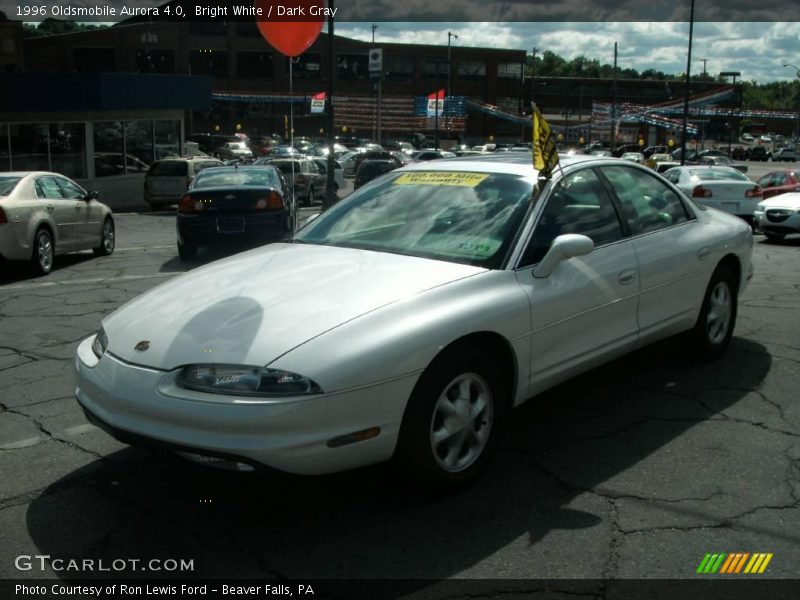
(714, 328)
(43, 252)
(187, 251)
(107, 240)
(449, 430)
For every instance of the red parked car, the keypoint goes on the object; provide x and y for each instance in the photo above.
(780, 182)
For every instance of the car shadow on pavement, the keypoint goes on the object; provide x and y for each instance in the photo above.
(566, 458)
(18, 271)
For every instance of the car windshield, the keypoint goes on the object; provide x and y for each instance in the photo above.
(469, 218)
(7, 184)
(717, 174)
(234, 178)
(168, 168)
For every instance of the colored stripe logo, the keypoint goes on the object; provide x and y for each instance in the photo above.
(734, 563)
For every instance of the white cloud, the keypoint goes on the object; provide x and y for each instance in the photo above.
(757, 50)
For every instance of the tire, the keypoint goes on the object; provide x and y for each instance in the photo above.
(43, 252)
(108, 240)
(714, 328)
(775, 237)
(457, 458)
(187, 251)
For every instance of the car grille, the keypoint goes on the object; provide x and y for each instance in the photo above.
(778, 215)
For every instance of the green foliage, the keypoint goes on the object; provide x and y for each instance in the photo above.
(55, 27)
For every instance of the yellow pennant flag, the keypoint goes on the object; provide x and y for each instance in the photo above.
(545, 155)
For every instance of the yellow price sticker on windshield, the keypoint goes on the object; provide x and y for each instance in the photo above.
(441, 178)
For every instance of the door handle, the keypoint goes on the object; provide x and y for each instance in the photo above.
(627, 276)
(704, 253)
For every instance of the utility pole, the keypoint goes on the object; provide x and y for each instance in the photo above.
(330, 185)
(533, 76)
(374, 27)
(614, 108)
(686, 92)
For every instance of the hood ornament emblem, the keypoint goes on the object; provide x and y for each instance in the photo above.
(142, 346)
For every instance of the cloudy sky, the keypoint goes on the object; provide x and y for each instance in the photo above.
(757, 50)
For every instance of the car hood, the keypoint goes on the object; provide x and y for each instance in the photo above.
(790, 200)
(254, 307)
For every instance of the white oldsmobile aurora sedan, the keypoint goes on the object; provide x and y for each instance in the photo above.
(407, 321)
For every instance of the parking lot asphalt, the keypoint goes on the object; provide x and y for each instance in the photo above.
(634, 470)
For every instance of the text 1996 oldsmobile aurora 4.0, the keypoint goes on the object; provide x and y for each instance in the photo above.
(405, 322)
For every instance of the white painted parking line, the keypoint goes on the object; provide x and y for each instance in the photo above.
(140, 248)
(46, 284)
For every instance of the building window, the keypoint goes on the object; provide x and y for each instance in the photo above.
(138, 145)
(254, 64)
(247, 29)
(93, 60)
(5, 155)
(155, 61)
(210, 27)
(306, 67)
(471, 69)
(168, 138)
(509, 70)
(398, 67)
(510, 104)
(434, 68)
(352, 66)
(108, 149)
(29, 147)
(68, 149)
(209, 62)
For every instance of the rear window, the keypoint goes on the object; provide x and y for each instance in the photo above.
(717, 174)
(169, 168)
(371, 168)
(236, 178)
(7, 184)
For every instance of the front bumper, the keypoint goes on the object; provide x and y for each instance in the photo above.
(142, 406)
(772, 222)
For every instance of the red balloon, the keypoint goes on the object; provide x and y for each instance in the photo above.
(279, 24)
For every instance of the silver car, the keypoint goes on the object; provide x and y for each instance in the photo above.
(45, 214)
(407, 321)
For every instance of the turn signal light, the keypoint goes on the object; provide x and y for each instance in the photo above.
(756, 192)
(701, 192)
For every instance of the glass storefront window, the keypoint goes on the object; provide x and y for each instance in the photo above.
(68, 149)
(139, 144)
(168, 138)
(29, 147)
(5, 157)
(108, 149)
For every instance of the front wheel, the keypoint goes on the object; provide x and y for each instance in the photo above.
(714, 328)
(187, 251)
(107, 240)
(449, 429)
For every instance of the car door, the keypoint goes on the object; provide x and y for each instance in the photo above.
(87, 214)
(63, 211)
(585, 310)
(674, 255)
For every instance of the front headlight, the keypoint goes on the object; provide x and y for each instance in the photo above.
(100, 343)
(244, 380)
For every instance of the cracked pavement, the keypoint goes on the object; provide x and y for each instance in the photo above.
(634, 470)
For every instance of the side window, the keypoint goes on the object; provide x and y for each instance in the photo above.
(70, 190)
(312, 166)
(578, 204)
(673, 176)
(48, 187)
(778, 179)
(765, 181)
(647, 203)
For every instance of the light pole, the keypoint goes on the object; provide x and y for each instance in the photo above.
(374, 27)
(686, 91)
(449, 91)
(797, 134)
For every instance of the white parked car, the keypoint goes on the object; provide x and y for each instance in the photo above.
(407, 321)
(636, 157)
(46, 214)
(778, 216)
(338, 171)
(721, 187)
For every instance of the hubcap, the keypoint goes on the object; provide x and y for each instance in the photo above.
(108, 237)
(462, 422)
(720, 307)
(45, 252)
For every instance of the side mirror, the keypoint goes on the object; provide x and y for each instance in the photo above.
(93, 195)
(563, 247)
